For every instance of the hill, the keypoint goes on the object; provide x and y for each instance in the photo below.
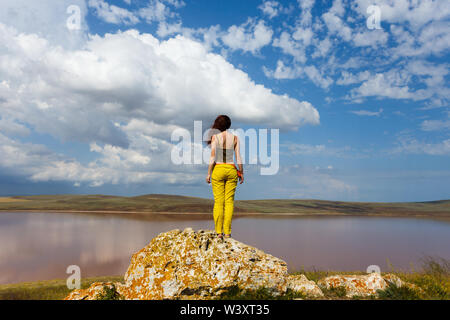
(180, 205)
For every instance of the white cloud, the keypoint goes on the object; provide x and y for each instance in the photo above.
(322, 48)
(411, 145)
(313, 182)
(125, 106)
(349, 78)
(283, 72)
(158, 82)
(287, 72)
(12, 128)
(373, 38)
(306, 16)
(47, 19)
(436, 125)
(389, 85)
(433, 39)
(290, 46)
(415, 12)
(116, 165)
(270, 8)
(367, 112)
(304, 35)
(248, 37)
(208, 36)
(155, 10)
(337, 26)
(398, 83)
(317, 78)
(318, 149)
(112, 13)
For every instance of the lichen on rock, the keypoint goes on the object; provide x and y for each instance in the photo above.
(363, 285)
(199, 265)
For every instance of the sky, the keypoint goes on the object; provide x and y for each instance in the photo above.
(92, 90)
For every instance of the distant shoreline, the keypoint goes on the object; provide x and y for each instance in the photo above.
(182, 207)
(138, 215)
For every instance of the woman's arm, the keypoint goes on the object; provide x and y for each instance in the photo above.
(237, 150)
(212, 159)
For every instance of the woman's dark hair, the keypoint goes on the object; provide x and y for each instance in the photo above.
(221, 124)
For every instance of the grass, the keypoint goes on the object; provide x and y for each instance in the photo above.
(109, 293)
(154, 203)
(392, 292)
(432, 281)
(235, 293)
(46, 290)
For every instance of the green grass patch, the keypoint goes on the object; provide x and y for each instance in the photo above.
(109, 293)
(46, 290)
(392, 292)
(432, 282)
(236, 293)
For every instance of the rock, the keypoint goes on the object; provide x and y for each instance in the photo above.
(362, 285)
(95, 291)
(199, 265)
(392, 278)
(355, 285)
(300, 283)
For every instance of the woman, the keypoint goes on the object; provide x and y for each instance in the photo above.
(223, 174)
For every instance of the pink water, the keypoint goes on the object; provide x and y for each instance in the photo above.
(39, 246)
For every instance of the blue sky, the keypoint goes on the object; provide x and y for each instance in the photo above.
(362, 107)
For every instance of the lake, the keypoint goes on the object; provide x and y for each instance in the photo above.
(39, 246)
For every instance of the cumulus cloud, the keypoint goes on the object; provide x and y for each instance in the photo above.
(124, 106)
(46, 19)
(306, 6)
(291, 72)
(248, 37)
(153, 11)
(389, 85)
(270, 8)
(291, 47)
(112, 13)
(10, 127)
(414, 12)
(159, 10)
(283, 71)
(115, 165)
(349, 78)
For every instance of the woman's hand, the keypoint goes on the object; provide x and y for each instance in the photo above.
(241, 178)
(208, 178)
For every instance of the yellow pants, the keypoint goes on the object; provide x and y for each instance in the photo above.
(223, 180)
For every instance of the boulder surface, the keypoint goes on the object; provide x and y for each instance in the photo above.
(362, 285)
(199, 265)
